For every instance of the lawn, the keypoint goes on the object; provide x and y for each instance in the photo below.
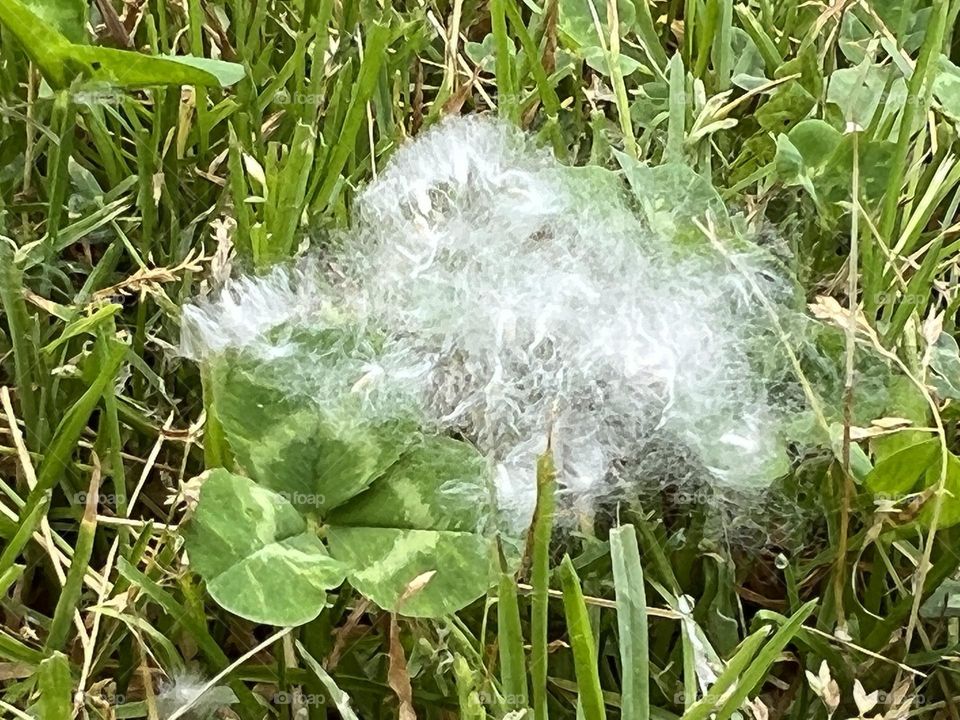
(710, 247)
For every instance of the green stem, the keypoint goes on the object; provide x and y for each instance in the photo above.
(540, 580)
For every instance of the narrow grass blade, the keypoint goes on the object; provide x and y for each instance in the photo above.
(676, 121)
(55, 685)
(631, 623)
(68, 432)
(9, 576)
(772, 59)
(737, 665)
(754, 675)
(25, 531)
(196, 630)
(548, 96)
(69, 600)
(340, 699)
(24, 355)
(648, 35)
(506, 90)
(748, 672)
(513, 675)
(378, 38)
(919, 286)
(15, 650)
(921, 79)
(580, 633)
(540, 580)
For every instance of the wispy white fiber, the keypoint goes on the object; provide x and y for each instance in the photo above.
(517, 299)
(187, 690)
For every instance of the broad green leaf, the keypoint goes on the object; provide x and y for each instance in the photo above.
(900, 472)
(858, 91)
(816, 141)
(425, 515)
(671, 196)
(944, 602)
(950, 507)
(912, 19)
(62, 61)
(483, 53)
(56, 688)
(579, 30)
(749, 69)
(258, 555)
(946, 88)
(389, 564)
(904, 401)
(67, 16)
(317, 455)
(789, 104)
(854, 38)
(575, 20)
(596, 58)
(442, 484)
(860, 465)
(126, 68)
(790, 166)
(945, 363)
(834, 183)
(49, 49)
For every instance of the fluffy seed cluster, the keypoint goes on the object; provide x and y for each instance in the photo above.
(517, 302)
(187, 690)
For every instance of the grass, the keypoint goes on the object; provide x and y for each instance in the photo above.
(831, 126)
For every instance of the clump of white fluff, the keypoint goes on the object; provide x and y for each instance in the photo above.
(190, 691)
(519, 302)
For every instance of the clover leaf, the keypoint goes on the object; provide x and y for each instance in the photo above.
(257, 553)
(330, 493)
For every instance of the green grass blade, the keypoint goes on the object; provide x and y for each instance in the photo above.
(24, 353)
(513, 674)
(920, 84)
(580, 633)
(755, 673)
(540, 580)
(378, 38)
(738, 665)
(196, 630)
(676, 121)
(631, 623)
(919, 286)
(65, 439)
(772, 59)
(25, 530)
(648, 35)
(69, 601)
(56, 686)
(506, 87)
(548, 95)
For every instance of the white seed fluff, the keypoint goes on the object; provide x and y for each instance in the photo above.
(187, 689)
(520, 300)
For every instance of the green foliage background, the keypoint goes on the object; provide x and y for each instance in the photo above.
(145, 148)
